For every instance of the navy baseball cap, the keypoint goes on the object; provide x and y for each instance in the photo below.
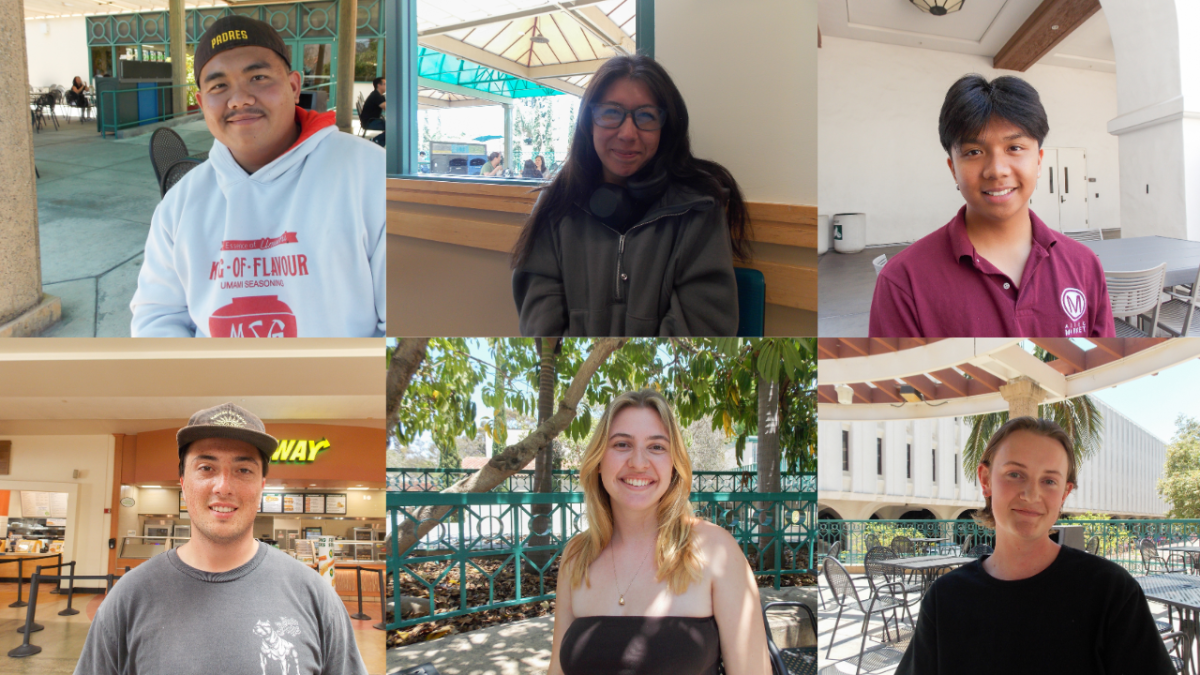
(231, 32)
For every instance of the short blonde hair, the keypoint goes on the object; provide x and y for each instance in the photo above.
(675, 552)
(1039, 426)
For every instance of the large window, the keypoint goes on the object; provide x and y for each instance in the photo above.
(368, 60)
(879, 456)
(845, 450)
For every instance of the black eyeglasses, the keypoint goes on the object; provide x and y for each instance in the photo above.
(612, 116)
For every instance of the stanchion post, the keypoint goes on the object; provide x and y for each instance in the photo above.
(58, 586)
(382, 625)
(27, 649)
(110, 583)
(69, 611)
(363, 617)
(32, 626)
(20, 583)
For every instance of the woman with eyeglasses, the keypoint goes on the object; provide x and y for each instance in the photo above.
(634, 235)
(648, 587)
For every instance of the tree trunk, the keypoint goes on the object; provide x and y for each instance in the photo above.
(408, 356)
(499, 419)
(543, 473)
(510, 461)
(768, 467)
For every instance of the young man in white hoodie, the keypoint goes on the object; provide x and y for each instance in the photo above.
(281, 232)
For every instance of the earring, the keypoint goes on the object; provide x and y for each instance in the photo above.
(956, 186)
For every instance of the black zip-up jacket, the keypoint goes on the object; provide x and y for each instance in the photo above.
(670, 274)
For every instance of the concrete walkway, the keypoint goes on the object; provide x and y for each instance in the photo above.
(95, 200)
(524, 647)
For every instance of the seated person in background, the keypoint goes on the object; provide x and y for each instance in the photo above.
(75, 95)
(374, 107)
(635, 235)
(531, 170)
(281, 232)
(995, 270)
(494, 165)
(1033, 606)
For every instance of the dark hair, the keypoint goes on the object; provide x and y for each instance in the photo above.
(77, 81)
(535, 159)
(1039, 426)
(376, 81)
(972, 102)
(581, 173)
(183, 452)
(494, 155)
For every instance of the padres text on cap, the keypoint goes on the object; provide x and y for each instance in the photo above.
(235, 31)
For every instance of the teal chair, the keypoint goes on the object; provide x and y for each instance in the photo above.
(752, 302)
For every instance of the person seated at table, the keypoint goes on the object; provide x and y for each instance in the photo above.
(995, 270)
(530, 170)
(374, 107)
(647, 572)
(1033, 606)
(494, 165)
(635, 235)
(75, 95)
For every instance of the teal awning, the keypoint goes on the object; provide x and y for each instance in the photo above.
(453, 70)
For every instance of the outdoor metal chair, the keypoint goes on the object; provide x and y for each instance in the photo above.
(1093, 545)
(833, 552)
(872, 541)
(1179, 648)
(980, 550)
(43, 113)
(879, 263)
(903, 547)
(793, 660)
(1085, 235)
(176, 172)
(166, 148)
(1153, 563)
(845, 594)
(1177, 314)
(1133, 294)
(882, 577)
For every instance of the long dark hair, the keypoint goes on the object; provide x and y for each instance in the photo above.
(582, 171)
(77, 83)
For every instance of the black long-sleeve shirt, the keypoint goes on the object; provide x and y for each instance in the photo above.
(1082, 614)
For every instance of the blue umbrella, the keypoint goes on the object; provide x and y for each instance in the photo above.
(488, 138)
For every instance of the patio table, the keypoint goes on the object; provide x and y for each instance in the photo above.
(927, 542)
(1181, 591)
(927, 565)
(1142, 253)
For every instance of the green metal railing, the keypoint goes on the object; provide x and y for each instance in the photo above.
(1118, 539)
(497, 536)
(436, 480)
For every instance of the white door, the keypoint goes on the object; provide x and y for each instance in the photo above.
(1045, 198)
(1072, 201)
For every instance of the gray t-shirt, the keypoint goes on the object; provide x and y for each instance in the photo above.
(272, 615)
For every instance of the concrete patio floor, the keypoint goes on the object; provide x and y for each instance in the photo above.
(95, 200)
(523, 647)
(879, 658)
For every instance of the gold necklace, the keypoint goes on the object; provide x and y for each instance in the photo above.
(613, 555)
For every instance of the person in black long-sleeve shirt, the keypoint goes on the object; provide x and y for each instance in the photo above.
(373, 108)
(1033, 606)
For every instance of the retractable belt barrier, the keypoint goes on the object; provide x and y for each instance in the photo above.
(27, 649)
(21, 573)
(382, 625)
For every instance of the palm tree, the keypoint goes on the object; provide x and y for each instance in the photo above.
(1078, 416)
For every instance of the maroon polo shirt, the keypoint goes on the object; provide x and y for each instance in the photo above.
(941, 287)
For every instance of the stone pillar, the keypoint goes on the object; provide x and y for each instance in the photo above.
(178, 37)
(347, 31)
(24, 309)
(1023, 396)
(508, 135)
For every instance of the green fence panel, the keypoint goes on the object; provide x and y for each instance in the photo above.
(517, 537)
(567, 480)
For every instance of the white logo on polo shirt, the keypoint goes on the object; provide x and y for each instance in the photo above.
(1074, 303)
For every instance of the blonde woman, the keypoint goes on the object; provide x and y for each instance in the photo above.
(648, 587)
(1033, 606)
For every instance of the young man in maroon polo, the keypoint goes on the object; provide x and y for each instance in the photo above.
(996, 269)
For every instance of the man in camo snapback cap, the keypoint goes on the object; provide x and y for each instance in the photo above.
(227, 420)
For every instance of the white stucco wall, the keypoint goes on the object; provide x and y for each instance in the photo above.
(57, 50)
(879, 151)
(748, 74)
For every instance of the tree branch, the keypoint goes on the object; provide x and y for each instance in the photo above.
(408, 356)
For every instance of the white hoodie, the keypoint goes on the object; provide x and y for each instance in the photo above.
(296, 249)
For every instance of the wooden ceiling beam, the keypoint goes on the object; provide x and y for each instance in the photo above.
(862, 393)
(1049, 25)
(980, 375)
(884, 345)
(827, 348)
(1064, 349)
(924, 385)
(889, 391)
(953, 381)
(826, 393)
(860, 346)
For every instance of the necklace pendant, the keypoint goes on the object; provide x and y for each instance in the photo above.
(621, 601)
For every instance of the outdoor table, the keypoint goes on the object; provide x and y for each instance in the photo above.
(927, 541)
(1181, 591)
(1142, 253)
(927, 565)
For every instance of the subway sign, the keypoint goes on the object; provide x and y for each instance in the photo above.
(291, 450)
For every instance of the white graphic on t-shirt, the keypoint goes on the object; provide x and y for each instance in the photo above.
(275, 648)
(1074, 303)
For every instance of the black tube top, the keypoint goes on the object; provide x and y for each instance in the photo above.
(641, 645)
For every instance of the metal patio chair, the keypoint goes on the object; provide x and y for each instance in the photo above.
(166, 148)
(884, 578)
(176, 172)
(1133, 294)
(1177, 315)
(1179, 648)
(1093, 545)
(833, 552)
(903, 546)
(793, 660)
(879, 263)
(980, 550)
(1085, 235)
(1153, 563)
(846, 595)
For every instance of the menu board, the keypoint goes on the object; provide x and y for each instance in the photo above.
(293, 503)
(335, 504)
(36, 504)
(314, 503)
(272, 503)
(182, 503)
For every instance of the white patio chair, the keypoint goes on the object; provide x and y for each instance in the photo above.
(879, 263)
(1133, 294)
(1177, 315)
(1085, 235)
